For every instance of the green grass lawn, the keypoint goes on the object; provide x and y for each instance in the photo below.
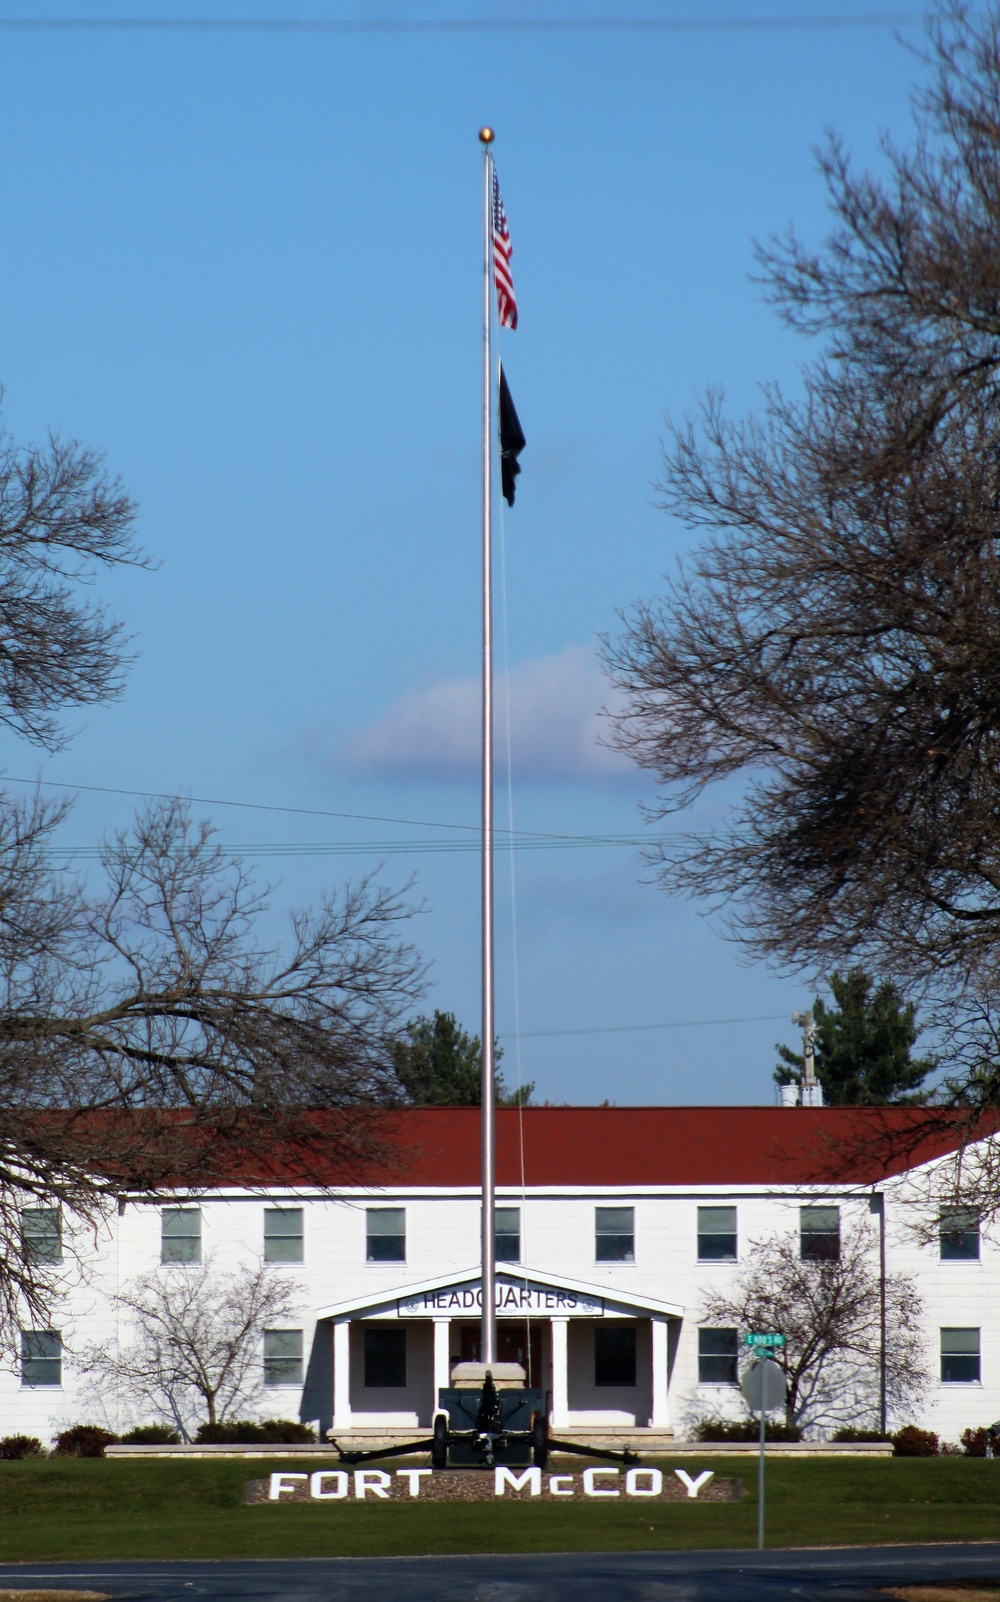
(65, 1508)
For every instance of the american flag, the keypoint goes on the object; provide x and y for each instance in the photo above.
(506, 303)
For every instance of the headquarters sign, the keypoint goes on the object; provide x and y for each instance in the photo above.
(511, 1299)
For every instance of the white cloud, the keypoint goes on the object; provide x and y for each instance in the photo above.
(556, 726)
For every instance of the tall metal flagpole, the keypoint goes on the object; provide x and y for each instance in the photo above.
(487, 1123)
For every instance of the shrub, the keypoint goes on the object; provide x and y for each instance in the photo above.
(860, 1435)
(14, 1447)
(913, 1442)
(744, 1429)
(974, 1443)
(83, 1440)
(251, 1432)
(151, 1435)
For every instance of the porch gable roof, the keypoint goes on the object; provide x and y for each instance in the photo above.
(557, 1282)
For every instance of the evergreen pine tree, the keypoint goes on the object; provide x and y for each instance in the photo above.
(439, 1064)
(864, 1045)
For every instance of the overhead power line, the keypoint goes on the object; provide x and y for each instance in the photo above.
(389, 848)
(249, 806)
(631, 1029)
(346, 26)
(517, 838)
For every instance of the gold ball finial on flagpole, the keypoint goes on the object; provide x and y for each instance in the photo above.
(486, 136)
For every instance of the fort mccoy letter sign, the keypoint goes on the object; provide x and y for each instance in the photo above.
(483, 1485)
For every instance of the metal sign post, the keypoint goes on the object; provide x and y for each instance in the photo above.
(763, 1387)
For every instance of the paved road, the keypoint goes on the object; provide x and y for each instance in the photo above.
(845, 1575)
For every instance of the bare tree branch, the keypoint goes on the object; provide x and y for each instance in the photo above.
(193, 1352)
(830, 654)
(829, 1313)
(148, 1035)
(61, 518)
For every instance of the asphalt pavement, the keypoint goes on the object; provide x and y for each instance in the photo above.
(846, 1574)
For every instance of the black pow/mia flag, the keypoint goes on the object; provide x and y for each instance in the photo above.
(511, 441)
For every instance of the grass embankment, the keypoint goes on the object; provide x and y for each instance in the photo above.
(945, 1593)
(59, 1596)
(65, 1508)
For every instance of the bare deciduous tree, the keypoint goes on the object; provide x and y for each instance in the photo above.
(148, 1030)
(193, 1354)
(61, 517)
(829, 1313)
(147, 1033)
(830, 654)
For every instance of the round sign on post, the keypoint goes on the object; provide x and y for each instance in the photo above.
(763, 1386)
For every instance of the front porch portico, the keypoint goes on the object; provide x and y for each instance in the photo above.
(602, 1356)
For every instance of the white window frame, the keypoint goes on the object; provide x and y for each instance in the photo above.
(284, 1357)
(286, 1262)
(41, 1385)
(371, 1212)
(957, 1384)
(47, 1212)
(181, 1262)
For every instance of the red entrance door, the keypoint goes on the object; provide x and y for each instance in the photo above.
(517, 1342)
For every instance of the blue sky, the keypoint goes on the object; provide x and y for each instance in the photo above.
(246, 265)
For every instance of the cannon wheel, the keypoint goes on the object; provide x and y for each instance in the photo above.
(540, 1441)
(439, 1447)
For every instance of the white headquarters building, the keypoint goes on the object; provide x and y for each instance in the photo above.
(613, 1224)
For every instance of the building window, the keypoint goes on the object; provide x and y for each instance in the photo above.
(282, 1357)
(180, 1238)
(385, 1357)
(959, 1234)
(718, 1350)
(41, 1357)
(716, 1234)
(960, 1357)
(507, 1234)
(614, 1354)
(387, 1234)
(41, 1238)
(615, 1234)
(283, 1235)
(819, 1234)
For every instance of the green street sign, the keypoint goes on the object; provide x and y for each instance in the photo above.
(769, 1342)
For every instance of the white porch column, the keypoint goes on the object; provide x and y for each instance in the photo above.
(560, 1373)
(342, 1376)
(661, 1407)
(442, 1340)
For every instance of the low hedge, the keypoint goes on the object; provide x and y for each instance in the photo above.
(251, 1432)
(83, 1440)
(913, 1442)
(14, 1447)
(151, 1435)
(744, 1429)
(860, 1435)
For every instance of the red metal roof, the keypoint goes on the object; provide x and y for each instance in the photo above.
(623, 1146)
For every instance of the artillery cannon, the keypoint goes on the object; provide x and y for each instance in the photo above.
(481, 1425)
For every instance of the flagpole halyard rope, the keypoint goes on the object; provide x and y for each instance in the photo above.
(487, 1110)
(497, 277)
(515, 965)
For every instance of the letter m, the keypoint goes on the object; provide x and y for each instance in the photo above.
(530, 1480)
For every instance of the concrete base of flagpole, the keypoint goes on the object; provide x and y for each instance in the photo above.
(472, 1376)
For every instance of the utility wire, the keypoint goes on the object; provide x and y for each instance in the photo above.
(249, 806)
(517, 837)
(631, 1029)
(346, 26)
(393, 848)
